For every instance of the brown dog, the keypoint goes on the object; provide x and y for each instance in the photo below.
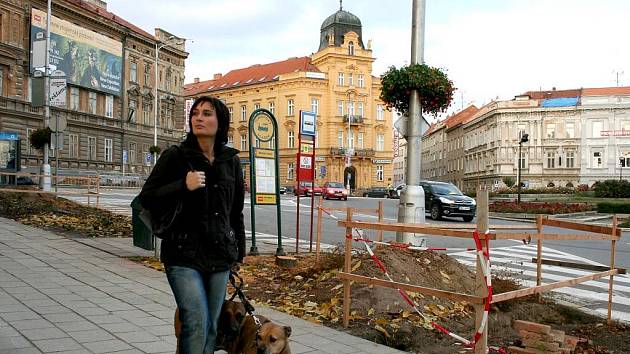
(230, 323)
(270, 339)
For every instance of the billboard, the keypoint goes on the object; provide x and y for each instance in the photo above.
(88, 59)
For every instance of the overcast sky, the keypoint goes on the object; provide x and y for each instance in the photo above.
(490, 48)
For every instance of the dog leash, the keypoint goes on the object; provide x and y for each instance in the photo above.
(238, 291)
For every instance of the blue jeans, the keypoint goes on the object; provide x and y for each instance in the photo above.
(199, 297)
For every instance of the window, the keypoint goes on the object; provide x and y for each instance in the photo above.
(147, 74)
(379, 173)
(108, 150)
(350, 140)
(91, 148)
(360, 81)
(551, 130)
(315, 106)
(360, 141)
(92, 102)
(230, 141)
(231, 110)
(290, 107)
(1, 75)
(291, 139)
(340, 80)
(351, 49)
(340, 138)
(74, 98)
(109, 106)
(551, 159)
(146, 114)
(290, 170)
(73, 146)
(598, 126)
(521, 131)
(350, 108)
(132, 110)
(360, 107)
(243, 143)
(272, 107)
(133, 72)
(168, 80)
(380, 114)
(380, 142)
(133, 147)
(522, 160)
(340, 107)
(256, 106)
(243, 113)
(597, 159)
(257, 141)
(569, 130)
(570, 159)
(625, 125)
(350, 79)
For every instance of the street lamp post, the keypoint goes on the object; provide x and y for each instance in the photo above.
(158, 45)
(524, 139)
(621, 164)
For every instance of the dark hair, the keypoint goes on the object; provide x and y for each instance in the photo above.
(223, 118)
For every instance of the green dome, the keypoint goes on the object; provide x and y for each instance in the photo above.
(341, 17)
(336, 26)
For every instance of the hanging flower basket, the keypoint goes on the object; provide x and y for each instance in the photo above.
(434, 88)
(153, 149)
(40, 137)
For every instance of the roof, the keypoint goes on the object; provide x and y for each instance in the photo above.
(431, 129)
(255, 74)
(342, 17)
(111, 16)
(606, 91)
(461, 117)
(541, 95)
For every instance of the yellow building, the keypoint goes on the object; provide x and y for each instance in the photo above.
(337, 84)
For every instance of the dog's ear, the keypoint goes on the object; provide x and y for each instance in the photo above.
(287, 331)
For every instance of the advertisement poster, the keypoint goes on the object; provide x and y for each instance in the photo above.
(88, 59)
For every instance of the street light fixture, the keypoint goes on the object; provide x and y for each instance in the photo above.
(159, 45)
(524, 139)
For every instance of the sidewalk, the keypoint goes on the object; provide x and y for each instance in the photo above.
(60, 295)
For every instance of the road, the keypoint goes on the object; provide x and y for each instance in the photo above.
(511, 256)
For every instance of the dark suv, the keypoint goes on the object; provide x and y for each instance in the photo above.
(444, 199)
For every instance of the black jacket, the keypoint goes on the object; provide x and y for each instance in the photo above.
(209, 232)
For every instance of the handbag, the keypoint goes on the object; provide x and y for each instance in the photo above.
(161, 225)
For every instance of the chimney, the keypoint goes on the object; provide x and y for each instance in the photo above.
(217, 76)
(196, 80)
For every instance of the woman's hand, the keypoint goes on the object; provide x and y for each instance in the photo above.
(195, 180)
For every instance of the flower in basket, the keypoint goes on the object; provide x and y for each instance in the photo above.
(433, 86)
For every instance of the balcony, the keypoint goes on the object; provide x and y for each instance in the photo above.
(353, 119)
(357, 152)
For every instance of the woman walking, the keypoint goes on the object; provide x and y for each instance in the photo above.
(208, 234)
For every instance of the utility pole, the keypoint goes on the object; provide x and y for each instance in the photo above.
(45, 179)
(411, 208)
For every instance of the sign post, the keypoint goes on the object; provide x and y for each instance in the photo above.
(264, 171)
(306, 168)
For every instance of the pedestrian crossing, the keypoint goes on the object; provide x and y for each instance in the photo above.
(591, 296)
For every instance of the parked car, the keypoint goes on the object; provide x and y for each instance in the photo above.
(283, 189)
(306, 188)
(445, 199)
(376, 192)
(335, 190)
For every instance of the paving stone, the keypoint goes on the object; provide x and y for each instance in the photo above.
(21, 315)
(44, 333)
(137, 337)
(10, 343)
(108, 346)
(94, 335)
(56, 345)
(31, 324)
(156, 347)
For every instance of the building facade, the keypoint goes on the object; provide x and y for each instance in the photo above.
(110, 97)
(337, 84)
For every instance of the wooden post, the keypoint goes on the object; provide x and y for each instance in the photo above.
(319, 230)
(480, 285)
(379, 234)
(346, 268)
(612, 266)
(539, 227)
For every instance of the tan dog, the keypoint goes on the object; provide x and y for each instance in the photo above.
(230, 322)
(270, 339)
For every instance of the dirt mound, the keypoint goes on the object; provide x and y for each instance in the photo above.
(63, 216)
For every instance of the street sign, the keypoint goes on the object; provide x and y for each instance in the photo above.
(307, 123)
(58, 124)
(56, 140)
(322, 170)
(58, 91)
(305, 162)
(147, 159)
(263, 127)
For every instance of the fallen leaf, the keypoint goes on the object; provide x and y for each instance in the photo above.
(356, 266)
(382, 330)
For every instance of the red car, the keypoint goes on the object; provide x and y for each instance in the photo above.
(306, 188)
(335, 190)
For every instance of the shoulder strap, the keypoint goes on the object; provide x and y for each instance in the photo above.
(179, 150)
